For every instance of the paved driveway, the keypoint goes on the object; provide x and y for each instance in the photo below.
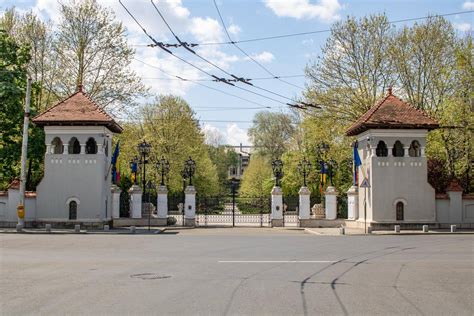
(236, 271)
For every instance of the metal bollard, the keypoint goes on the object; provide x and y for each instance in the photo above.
(453, 228)
(397, 228)
(342, 230)
(19, 228)
(47, 227)
(106, 228)
(77, 229)
(425, 228)
(132, 229)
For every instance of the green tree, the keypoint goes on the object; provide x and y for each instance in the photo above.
(91, 49)
(170, 127)
(257, 180)
(223, 158)
(354, 70)
(13, 75)
(272, 133)
(424, 56)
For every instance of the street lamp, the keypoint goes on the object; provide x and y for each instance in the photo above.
(189, 169)
(277, 168)
(144, 149)
(304, 168)
(163, 166)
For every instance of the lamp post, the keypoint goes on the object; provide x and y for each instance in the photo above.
(369, 149)
(277, 168)
(163, 167)
(304, 168)
(190, 169)
(233, 184)
(144, 149)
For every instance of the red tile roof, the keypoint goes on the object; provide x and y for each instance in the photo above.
(392, 112)
(77, 109)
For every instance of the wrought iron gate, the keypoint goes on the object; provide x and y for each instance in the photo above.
(291, 211)
(233, 211)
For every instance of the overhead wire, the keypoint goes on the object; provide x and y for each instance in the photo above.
(207, 73)
(326, 30)
(246, 54)
(239, 79)
(202, 85)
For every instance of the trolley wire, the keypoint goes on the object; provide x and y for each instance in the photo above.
(238, 79)
(266, 38)
(246, 54)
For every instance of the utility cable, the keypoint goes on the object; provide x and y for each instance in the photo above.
(239, 79)
(327, 30)
(245, 53)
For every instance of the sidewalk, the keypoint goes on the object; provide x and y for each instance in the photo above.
(356, 231)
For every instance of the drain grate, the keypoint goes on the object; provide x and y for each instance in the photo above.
(150, 276)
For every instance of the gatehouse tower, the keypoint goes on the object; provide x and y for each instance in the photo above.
(77, 177)
(391, 139)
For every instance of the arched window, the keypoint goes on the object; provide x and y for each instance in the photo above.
(399, 208)
(91, 146)
(381, 150)
(73, 210)
(398, 150)
(57, 145)
(74, 147)
(415, 149)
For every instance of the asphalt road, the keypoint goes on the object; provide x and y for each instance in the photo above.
(236, 271)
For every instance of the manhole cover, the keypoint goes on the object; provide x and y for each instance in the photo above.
(149, 276)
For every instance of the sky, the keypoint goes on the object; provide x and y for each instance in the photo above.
(197, 21)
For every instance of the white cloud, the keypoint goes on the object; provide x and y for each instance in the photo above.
(264, 57)
(189, 28)
(234, 29)
(463, 27)
(236, 135)
(326, 10)
(468, 5)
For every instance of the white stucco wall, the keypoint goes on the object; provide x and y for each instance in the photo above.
(395, 179)
(84, 178)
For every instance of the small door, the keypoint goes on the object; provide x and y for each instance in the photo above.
(400, 207)
(72, 210)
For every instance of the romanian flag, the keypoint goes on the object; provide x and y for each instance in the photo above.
(114, 163)
(356, 162)
(323, 176)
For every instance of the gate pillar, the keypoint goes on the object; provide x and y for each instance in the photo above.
(162, 204)
(135, 201)
(190, 206)
(353, 203)
(304, 205)
(115, 201)
(277, 207)
(331, 202)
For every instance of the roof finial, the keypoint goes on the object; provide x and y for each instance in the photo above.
(389, 90)
(79, 87)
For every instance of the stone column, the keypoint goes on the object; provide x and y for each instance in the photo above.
(390, 151)
(331, 202)
(115, 201)
(305, 205)
(65, 149)
(277, 207)
(190, 206)
(423, 152)
(353, 203)
(162, 205)
(135, 201)
(83, 149)
(405, 151)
